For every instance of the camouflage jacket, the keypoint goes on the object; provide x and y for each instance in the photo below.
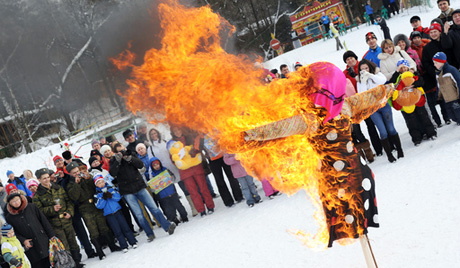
(45, 199)
(82, 194)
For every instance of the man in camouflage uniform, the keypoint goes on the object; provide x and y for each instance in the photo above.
(81, 189)
(53, 201)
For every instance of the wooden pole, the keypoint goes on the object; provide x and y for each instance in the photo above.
(367, 250)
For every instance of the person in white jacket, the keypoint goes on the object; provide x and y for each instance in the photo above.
(390, 56)
(370, 77)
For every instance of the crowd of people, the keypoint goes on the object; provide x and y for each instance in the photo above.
(423, 63)
(118, 184)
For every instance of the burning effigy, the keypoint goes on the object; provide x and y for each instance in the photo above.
(295, 130)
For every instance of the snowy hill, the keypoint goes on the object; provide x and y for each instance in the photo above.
(416, 195)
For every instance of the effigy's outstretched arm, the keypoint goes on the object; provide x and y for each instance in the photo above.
(360, 106)
(304, 124)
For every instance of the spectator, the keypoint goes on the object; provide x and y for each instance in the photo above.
(325, 22)
(32, 185)
(446, 11)
(107, 199)
(129, 137)
(369, 11)
(35, 237)
(284, 70)
(20, 183)
(12, 250)
(53, 201)
(107, 153)
(429, 75)
(383, 26)
(448, 79)
(394, 7)
(451, 36)
(96, 145)
(416, 23)
(403, 42)
(142, 134)
(390, 56)
(417, 44)
(374, 49)
(335, 34)
(125, 168)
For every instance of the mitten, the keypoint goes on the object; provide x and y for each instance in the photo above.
(106, 195)
(127, 158)
(118, 157)
(16, 262)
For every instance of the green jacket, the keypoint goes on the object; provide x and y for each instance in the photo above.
(45, 199)
(82, 194)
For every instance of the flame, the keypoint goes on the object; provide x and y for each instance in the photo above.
(192, 81)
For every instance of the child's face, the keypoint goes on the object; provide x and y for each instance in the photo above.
(10, 233)
(100, 183)
(438, 65)
(156, 165)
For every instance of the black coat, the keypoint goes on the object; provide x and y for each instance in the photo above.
(127, 176)
(452, 42)
(427, 62)
(30, 223)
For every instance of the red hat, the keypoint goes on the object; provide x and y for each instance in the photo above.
(436, 26)
(57, 158)
(10, 187)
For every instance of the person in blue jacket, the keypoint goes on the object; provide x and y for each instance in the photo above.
(374, 49)
(107, 198)
(325, 21)
(162, 184)
(369, 11)
(20, 182)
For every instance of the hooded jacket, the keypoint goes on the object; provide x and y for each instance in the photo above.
(153, 173)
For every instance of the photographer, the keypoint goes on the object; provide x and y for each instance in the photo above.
(53, 201)
(124, 167)
(81, 190)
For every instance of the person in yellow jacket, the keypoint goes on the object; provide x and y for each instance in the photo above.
(335, 34)
(12, 250)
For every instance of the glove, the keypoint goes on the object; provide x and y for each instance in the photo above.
(351, 72)
(16, 262)
(127, 158)
(365, 75)
(106, 195)
(118, 157)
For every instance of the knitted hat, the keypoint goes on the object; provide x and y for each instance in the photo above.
(105, 148)
(456, 11)
(402, 62)
(71, 166)
(67, 155)
(98, 177)
(11, 196)
(348, 54)
(436, 20)
(440, 57)
(31, 182)
(415, 18)
(6, 228)
(9, 172)
(10, 187)
(298, 64)
(57, 158)
(94, 142)
(370, 35)
(40, 172)
(415, 34)
(127, 133)
(435, 26)
(91, 160)
(95, 152)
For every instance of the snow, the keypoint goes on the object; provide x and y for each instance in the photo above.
(416, 195)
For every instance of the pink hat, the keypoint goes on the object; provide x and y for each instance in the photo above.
(331, 83)
(31, 182)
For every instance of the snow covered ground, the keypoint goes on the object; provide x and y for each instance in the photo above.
(416, 195)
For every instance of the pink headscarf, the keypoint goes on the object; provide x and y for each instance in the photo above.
(332, 83)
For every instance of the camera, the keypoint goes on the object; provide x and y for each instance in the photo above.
(125, 152)
(450, 22)
(82, 175)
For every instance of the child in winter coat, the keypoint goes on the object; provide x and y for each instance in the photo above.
(162, 184)
(448, 78)
(247, 182)
(12, 250)
(107, 199)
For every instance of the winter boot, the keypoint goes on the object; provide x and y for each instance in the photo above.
(76, 256)
(192, 206)
(397, 143)
(368, 151)
(387, 147)
(110, 241)
(98, 247)
(360, 149)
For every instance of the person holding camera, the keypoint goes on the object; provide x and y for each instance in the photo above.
(124, 167)
(81, 190)
(53, 201)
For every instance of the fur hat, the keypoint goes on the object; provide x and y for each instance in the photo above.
(71, 166)
(436, 26)
(348, 54)
(440, 57)
(57, 158)
(31, 182)
(370, 35)
(10, 187)
(67, 155)
(11, 196)
(40, 172)
(98, 177)
(415, 18)
(415, 34)
(9, 172)
(105, 148)
(6, 228)
(402, 37)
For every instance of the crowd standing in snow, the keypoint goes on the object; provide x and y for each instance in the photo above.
(97, 201)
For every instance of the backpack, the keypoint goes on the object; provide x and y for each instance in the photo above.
(59, 257)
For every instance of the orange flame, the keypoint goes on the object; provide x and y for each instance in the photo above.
(192, 81)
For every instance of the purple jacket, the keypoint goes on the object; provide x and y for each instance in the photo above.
(237, 169)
